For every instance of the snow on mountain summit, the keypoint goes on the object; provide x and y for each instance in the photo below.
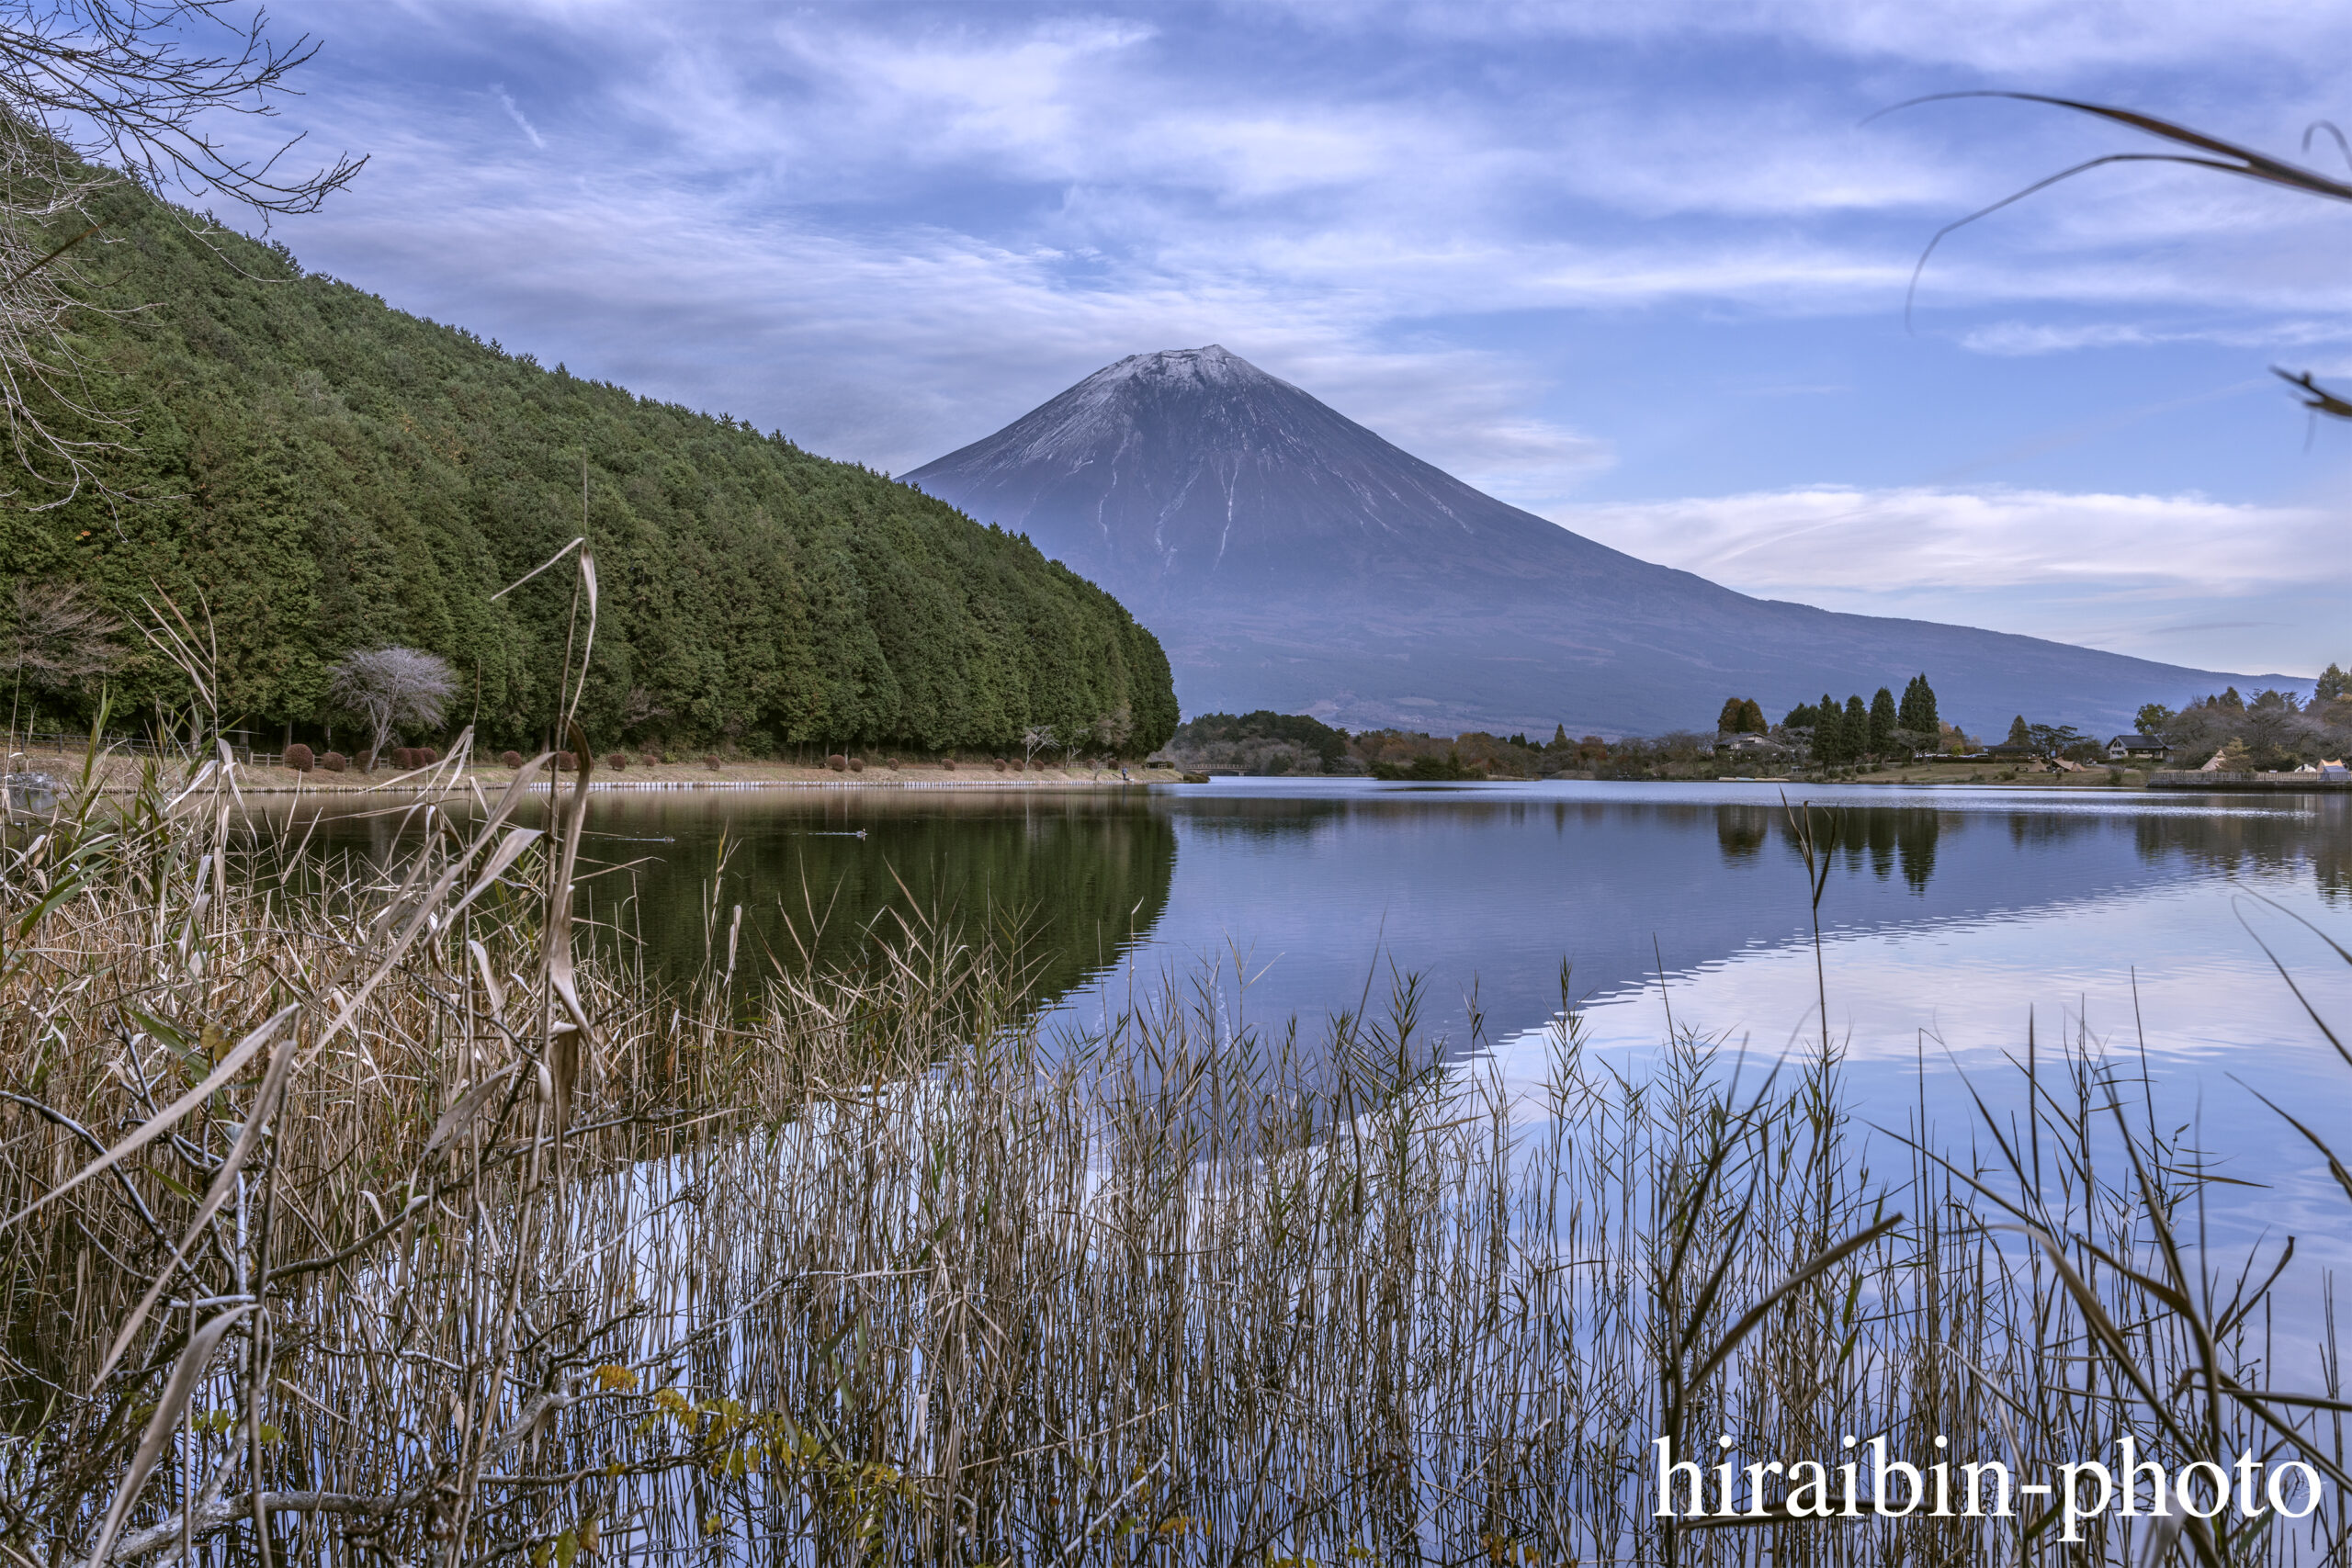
(1213, 365)
(1107, 405)
(1289, 557)
(1187, 463)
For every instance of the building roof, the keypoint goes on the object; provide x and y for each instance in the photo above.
(2136, 741)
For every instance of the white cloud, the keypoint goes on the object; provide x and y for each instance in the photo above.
(507, 103)
(2182, 578)
(2019, 339)
(891, 229)
(1920, 539)
(2035, 40)
(2014, 339)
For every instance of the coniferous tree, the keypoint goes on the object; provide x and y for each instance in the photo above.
(1751, 717)
(1804, 715)
(1856, 729)
(2019, 734)
(2332, 682)
(1728, 721)
(1918, 710)
(325, 474)
(1883, 722)
(1829, 732)
(1559, 738)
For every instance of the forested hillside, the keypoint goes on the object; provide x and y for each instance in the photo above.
(318, 473)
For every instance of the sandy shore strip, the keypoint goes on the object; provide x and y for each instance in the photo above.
(117, 773)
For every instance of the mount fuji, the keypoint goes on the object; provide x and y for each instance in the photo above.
(1288, 557)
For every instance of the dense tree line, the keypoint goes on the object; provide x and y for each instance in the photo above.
(309, 472)
(1841, 734)
(2268, 732)
(1263, 742)
(1742, 716)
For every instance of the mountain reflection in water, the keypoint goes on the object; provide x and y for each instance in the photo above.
(1321, 892)
(1075, 875)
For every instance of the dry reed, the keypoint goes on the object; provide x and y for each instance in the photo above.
(425, 1237)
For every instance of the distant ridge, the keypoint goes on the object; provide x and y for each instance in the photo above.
(1289, 557)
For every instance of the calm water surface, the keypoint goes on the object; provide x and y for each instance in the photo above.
(1955, 922)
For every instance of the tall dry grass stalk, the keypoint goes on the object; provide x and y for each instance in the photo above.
(354, 1217)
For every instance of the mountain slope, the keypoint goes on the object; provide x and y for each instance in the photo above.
(1289, 557)
(321, 473)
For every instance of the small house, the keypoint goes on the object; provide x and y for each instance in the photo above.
(2148, 746)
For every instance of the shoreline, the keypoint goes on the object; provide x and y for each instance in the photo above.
(121, 775)
(651, 786)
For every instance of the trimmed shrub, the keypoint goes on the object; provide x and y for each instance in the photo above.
(650, 760)
(511, 759)
(432, 755)
(857, 764)
(948, 764)
(297, 757)
(1000, 764)
(891, 763)
(565, 763)
(711, 763)
(617, 761)
(364, 762)
(837, 762)
(334, 761)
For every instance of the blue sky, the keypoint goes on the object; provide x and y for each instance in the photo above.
(1638, 267)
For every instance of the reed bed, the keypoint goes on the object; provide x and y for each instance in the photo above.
(380, 1215)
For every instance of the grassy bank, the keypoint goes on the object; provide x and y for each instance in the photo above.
(396, 1220)
(120, 772)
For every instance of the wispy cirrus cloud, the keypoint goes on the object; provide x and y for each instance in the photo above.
(2112, 570)
(506, 102)
(1917, 538)
(1545, 246)
(2016, 338)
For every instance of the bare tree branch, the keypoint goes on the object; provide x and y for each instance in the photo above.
(91, 91)
(117, 82)
(57, 636)
(387, 688)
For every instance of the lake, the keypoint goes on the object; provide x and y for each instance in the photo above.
(1953, 922)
